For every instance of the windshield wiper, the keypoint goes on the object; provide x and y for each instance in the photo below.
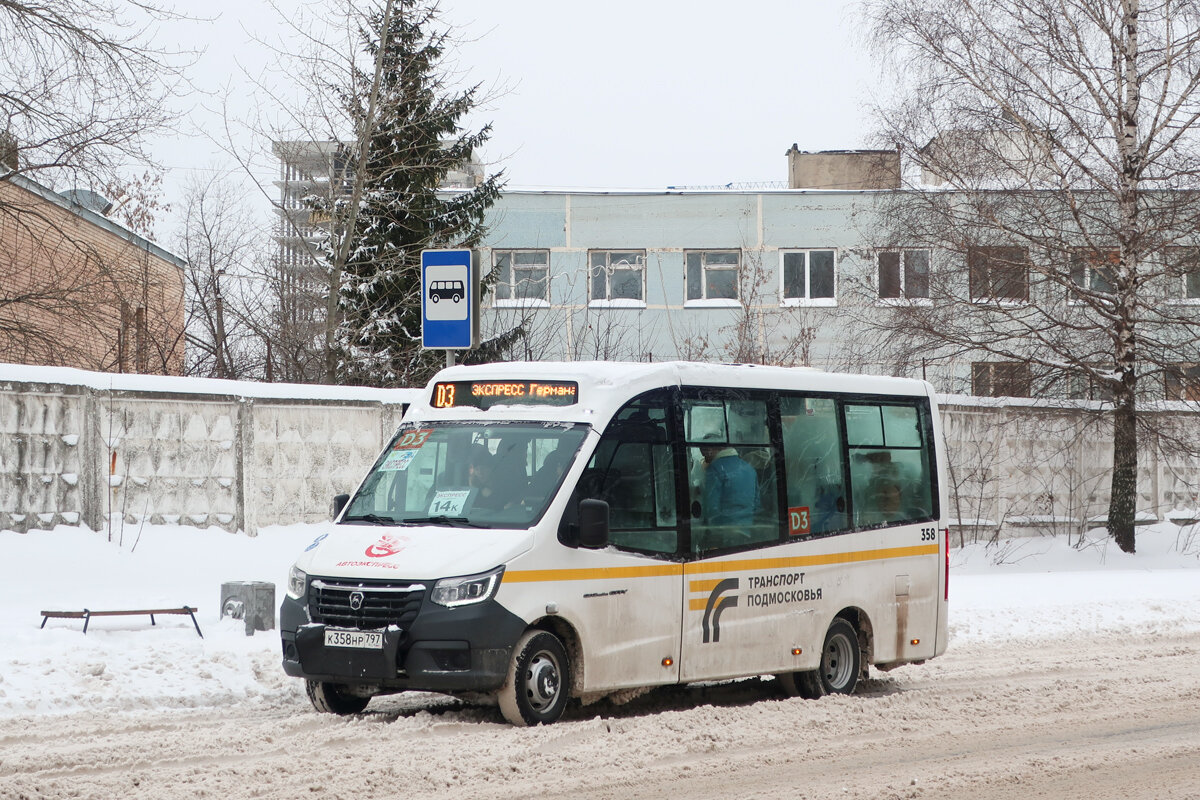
(372, 518)
(442, 519)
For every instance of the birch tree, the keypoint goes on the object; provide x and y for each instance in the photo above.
(1054, 165)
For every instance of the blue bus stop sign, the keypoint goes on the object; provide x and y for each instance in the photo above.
(449, 300)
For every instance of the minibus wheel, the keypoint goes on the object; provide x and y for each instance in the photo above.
(840, 659)
(332, 698)
(839, 669)
(538, 682)
(802, 684)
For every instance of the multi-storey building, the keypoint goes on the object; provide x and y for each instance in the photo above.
(801, 275)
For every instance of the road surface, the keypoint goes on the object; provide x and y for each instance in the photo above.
(1101, 717)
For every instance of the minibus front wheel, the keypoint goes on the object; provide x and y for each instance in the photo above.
(334, 699)
(538, 682)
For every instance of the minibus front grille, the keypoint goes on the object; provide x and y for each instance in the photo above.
(364, 606)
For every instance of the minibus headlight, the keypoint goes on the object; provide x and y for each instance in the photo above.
(451, 592)
(297, 579)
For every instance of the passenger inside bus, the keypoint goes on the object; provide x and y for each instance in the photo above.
(730, 492)
(481, 477)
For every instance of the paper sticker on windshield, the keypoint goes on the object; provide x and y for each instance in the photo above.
(449, 502)
(412, 440)
(398, 460)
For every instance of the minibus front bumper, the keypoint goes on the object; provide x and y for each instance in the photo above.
(441, 649)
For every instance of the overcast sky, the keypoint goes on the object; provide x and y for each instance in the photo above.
(620, 94)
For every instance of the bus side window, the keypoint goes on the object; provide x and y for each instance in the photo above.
(889, 465)
(733, 492)
(812, 454)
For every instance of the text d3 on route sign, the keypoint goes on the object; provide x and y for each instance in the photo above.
(449, 300)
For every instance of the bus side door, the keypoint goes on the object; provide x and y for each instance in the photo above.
(732, 463)
(631, 613)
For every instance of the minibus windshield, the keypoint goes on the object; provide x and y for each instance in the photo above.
(493, 475)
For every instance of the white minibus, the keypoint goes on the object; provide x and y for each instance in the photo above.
(539, 532)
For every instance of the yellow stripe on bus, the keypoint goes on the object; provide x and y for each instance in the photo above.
(701, 568)
(595, 573)
(698, 603)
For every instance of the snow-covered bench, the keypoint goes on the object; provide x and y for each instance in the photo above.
(87, 614)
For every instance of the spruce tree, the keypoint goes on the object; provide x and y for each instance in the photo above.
(416, 142)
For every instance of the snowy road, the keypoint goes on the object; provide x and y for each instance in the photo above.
(1082, 716)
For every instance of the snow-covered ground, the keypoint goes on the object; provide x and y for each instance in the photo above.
(1017, 590)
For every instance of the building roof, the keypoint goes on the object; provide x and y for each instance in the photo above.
(99, 220)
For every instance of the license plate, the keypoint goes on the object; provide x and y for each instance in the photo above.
(361, 640)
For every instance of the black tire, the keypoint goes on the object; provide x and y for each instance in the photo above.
(332, 698)
(434, 298)
(456, 298)
(802, 684)
(538, 682)
(839, 669)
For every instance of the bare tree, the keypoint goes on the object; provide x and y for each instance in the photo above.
(225, 290)
(1057, 151)
(83, 87)
(82, 90)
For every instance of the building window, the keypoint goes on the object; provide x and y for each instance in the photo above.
(903, 274)
(1094, 270)
(617, 275)
(998, 274)
(1183, 263)
(1000, 379)
(713, 274)
(523, 275)
(1083, 385)
(1183, 382)
(809, 277)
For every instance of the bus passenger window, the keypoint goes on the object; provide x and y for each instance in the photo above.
(733, 489)
(812, 455)
(889, 466)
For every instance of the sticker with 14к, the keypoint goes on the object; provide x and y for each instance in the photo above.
(449, 502)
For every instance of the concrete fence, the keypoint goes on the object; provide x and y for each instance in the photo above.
(76, 447)
(1021, 467)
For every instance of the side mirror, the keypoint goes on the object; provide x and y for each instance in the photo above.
(593, 524)
(339, 502)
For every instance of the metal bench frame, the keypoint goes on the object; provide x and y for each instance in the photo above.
(87, 614)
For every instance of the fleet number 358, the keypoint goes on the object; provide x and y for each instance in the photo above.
(928, 534)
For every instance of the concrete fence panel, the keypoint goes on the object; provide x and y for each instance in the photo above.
(80, 447)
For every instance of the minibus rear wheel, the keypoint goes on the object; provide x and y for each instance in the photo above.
(538, 682)
(802, 684)
(839, 669)
(331, 698)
